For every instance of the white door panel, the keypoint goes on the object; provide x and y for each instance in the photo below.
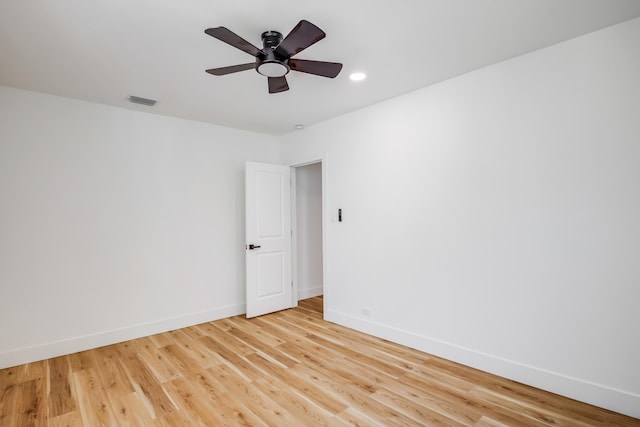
(268, 231)
(270, 280)
(269, 204)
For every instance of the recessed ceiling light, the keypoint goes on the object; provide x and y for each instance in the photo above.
(299, 127)
(357, 76)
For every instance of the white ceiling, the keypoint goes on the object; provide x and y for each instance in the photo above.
(105, 50)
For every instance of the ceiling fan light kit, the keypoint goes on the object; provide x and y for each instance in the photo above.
(274, 59)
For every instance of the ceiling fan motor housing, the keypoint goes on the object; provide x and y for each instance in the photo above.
(268, 63)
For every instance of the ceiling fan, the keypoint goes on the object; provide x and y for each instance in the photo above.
(274, 59)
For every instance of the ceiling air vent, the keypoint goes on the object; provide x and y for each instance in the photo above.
(143, 101)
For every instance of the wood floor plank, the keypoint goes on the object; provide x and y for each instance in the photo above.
(262, 341)
(355, 396)
(227, 353)
(129, 410)
(289, 368)
(161, 340)
(9, 377)
(538, 398)
(353, 417)
(450, 408)
(195, 404)
(274, 327)
(253, 398)
(233, 384)
(112, 373)
(163, 369)
(358, 338)
(383, 365)
(617, 420)
(540, 414)
(179, 358)
(148, 387)
(82, 360)
(186, 340)
(460, 399)
(33, 405)
(217, 340)
(320, 396)
(95, 408)
(61, 399)
(436, 378)
(70, 419)
(10, 405)
(267, 366)
(252, 335)
(179, 418)
(32, 371)
(421, 412)
(488, 422)
(300, 406)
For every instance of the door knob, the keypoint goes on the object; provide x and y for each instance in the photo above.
(254, 246)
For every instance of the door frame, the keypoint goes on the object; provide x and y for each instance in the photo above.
(294, 227)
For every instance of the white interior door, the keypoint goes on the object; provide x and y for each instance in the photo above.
(268, 234)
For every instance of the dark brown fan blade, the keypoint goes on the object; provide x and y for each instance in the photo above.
(319, 68)
(225, 35)
(222, 71)
(278, 84)
(301, 37)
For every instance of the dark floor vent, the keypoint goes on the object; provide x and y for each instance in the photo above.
(143, 101)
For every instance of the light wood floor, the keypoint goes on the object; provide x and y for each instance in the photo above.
(284, 369)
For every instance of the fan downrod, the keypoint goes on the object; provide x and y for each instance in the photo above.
(271, 39)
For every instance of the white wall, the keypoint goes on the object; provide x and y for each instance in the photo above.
(309, 230)
(493, 218)
(115, 224)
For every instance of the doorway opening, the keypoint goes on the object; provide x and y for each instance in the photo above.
(308, 236)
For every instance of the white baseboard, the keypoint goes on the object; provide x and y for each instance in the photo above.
(73, 345)
(595, 394)
(309, 292)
